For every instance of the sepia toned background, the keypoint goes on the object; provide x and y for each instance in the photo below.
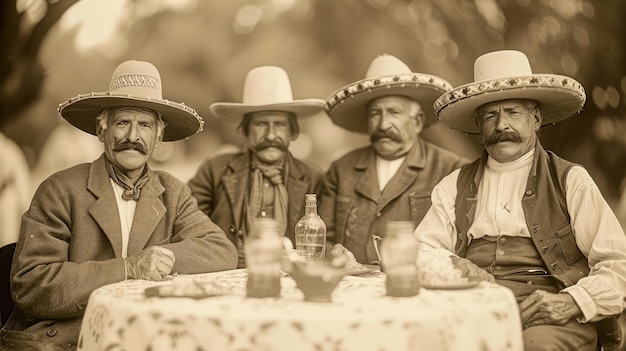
(53, 50)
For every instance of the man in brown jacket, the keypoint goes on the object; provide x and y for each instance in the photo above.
(111, 220)
(391, 179)
(264, 180)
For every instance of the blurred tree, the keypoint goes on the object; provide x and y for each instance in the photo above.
(204, 49)
(24, 27)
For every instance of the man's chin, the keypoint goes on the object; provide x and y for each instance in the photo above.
(270, 155)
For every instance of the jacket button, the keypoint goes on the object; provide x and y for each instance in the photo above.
(51, 332)
(529, 192)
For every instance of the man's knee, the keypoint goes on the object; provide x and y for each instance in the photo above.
(571, 337)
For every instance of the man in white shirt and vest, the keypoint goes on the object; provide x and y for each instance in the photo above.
(521, 215)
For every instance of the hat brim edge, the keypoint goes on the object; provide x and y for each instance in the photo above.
(180, 123)
(235, 111)
(457, 110)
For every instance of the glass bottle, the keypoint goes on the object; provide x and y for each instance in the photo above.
(399, 259)
(263, 250)
(310, 231)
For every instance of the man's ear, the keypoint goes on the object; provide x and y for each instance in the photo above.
(419, 121)
(100, 132)
(538, 117)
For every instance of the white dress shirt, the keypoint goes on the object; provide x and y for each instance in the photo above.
(126, 210)
(598, 233)
(386, 169)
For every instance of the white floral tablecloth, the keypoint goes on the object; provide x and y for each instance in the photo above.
(360, 318)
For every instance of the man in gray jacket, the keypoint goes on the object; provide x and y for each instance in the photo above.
(391, 179)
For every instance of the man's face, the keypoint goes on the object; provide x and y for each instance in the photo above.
(393, 124)
(269, 135)
(130, 138)
(508, 128)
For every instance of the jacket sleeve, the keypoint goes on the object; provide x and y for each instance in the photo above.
(199, 245)
(201, 186)
(45, 284)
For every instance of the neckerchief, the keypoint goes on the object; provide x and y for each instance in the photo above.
(131, 191)
(274, 173)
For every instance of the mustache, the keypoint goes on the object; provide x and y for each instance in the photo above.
(127, 145)
(267, 144)
(380, 134)
(496, 137)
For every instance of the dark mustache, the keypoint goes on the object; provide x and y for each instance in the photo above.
(127, 145)
(496, 137)
(380, 134)
(267, 144)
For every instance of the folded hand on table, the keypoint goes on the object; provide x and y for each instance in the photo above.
(542, 307)
(153, 263)
(340, 256)
(470, 270)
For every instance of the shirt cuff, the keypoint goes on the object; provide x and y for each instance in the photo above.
(584, 302)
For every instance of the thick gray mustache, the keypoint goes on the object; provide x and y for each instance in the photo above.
(126, 145)
(495, 138)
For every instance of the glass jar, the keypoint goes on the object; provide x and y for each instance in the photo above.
(399, 259)
(263, 250)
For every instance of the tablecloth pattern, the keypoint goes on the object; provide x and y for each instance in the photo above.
(120, 317)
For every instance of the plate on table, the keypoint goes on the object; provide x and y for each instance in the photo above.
(363, 269)
(190, 289)
(451, 286)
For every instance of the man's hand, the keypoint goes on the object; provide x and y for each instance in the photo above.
(542, 307)
(342, 256)
(153, 263)
(470, 270)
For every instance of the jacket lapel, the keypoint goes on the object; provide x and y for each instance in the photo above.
(150, 209)
(368, 183)
(296, 188)
(104, 211)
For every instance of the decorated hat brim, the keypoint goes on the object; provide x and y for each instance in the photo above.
(347, 107)
(235, 111)
(560, 97)
(181, 121)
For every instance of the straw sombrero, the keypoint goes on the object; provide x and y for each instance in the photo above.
(386, 75)
(133, 84)
(266, 88)
(506, 74)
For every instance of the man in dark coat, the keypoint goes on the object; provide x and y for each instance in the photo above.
(111, 220)
(264, 180)
(391, 179)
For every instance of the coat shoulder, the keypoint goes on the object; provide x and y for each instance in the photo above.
(445, 155)
(353, 155)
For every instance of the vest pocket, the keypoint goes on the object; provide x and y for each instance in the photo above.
(567, 244)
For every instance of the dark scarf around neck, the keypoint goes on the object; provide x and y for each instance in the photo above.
(131, 191)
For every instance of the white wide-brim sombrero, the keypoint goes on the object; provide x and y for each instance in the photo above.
(267, 88)
(386, 75)
(133, 84)
(503, 75)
